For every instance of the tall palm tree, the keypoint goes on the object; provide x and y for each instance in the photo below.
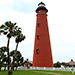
(19, 38)
(9, 29)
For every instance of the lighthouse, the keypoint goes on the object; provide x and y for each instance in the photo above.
(42, 55)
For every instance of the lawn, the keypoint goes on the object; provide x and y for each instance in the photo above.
(37, 72)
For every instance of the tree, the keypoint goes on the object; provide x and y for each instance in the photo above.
(18, 58)
(57, 64)
(65, 64)
(21, 60)
(20, 37)
(2, 55)
(5, 60)
(9, 29)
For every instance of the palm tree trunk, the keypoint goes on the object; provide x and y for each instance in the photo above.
(8, 42)
(0, 68)
(16, 46)
(8, 56)
(16, 49)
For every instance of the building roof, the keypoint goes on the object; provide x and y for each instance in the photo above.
(41, 7)
(41, 3)
(71, 62)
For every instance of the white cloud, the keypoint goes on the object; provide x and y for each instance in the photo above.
(5, 2)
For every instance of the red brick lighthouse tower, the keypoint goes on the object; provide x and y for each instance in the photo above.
(42, 48)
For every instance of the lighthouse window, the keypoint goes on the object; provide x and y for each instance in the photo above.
(38, 37)
(37, 51)
(38, 24)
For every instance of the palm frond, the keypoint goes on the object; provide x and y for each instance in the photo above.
(1, 31)
(6, 28)
(15, 23)
(20, 28)
(7, 24)
(9, 35)
(5, 33)
(2, 26)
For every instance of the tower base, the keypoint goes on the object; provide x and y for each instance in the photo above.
(42, 68)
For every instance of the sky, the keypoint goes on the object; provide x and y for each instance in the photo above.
(61, 23)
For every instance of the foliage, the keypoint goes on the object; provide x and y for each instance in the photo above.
(11, 30)
(3, 57)
(18, 57)
(58, 64)
(65, 64)
(20, 38)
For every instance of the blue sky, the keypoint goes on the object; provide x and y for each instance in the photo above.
(61, 21)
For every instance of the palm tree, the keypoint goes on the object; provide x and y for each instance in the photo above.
(20, 37)
(9, 29)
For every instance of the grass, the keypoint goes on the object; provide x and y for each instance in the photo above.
(37, 72)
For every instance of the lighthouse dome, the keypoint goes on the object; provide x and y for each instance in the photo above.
(41, 6)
